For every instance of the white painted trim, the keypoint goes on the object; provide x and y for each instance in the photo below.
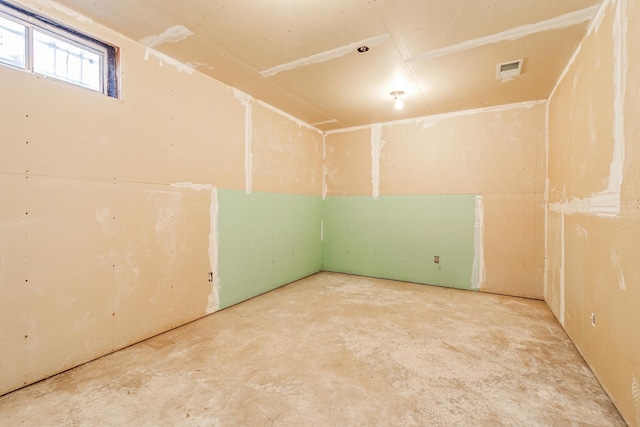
(429, 121)
(327, 55)
(559, 22)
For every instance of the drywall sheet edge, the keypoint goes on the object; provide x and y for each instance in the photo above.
(266, 240)
(399, 237)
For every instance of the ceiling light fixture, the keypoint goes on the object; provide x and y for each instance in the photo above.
(398, 102)
(363, 49)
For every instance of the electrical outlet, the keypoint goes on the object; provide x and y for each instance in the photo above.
(211, 277)
(593, 318)
(436, 259)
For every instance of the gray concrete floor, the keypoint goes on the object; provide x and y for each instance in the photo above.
(336, 350)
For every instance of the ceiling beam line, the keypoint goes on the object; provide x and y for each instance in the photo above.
(557, 23)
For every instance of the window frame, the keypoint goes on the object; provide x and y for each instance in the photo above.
(108, 54)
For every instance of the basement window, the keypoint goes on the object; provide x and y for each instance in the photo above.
(40, 46)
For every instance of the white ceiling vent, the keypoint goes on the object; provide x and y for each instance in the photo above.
(509, 70)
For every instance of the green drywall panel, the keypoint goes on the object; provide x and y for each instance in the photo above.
(265, 240)
(397, 237)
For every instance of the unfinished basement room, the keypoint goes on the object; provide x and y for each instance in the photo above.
(320, 213)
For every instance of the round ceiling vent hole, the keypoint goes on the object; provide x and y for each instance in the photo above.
(363, 49)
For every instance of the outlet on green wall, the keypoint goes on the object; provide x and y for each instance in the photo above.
(397, 237)
(267, 240)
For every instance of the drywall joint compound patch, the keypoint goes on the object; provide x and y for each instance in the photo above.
(562, 265)
(325, 169)
(603, 205)
(615, 260)
(557, 23)
(376, 152)
(596, 21)
(105, 219)
(326, 56)
(213, 300)
(616, 172)
(49, 4)
(546, 201)
(478, 274)
(429, 121)
(325, 122)
(170, 35)
(635, 394)
(246, 101)
(288, 116)
(214, 245)
(164, 59)
(606, 204)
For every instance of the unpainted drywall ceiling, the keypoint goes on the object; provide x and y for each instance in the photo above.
(300, 56)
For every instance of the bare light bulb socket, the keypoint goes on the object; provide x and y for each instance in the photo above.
(398, 102)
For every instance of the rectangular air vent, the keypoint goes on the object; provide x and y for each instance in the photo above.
(510, 69)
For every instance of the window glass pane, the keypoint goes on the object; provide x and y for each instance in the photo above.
(63, 60)
(12, 43)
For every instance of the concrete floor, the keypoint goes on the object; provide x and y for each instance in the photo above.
(336, 350)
